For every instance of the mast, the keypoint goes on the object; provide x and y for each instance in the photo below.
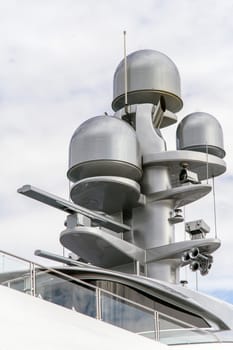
(127, 189)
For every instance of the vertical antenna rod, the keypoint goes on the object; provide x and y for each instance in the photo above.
(126, 80)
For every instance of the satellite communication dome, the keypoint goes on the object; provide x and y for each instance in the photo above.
(200, 132)
(104, 145)
(150, 75)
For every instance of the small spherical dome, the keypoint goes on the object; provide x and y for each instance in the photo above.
(106, 146)
(200, 132)
(150, 74)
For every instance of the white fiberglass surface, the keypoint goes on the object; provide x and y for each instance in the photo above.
(32, 323)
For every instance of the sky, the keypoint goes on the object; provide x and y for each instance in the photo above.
(56, 70)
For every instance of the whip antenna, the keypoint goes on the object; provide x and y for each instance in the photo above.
(126, 78)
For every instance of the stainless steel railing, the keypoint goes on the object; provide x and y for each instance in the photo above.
(40, 281)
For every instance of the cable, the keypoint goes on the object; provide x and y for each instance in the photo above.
(215, 215)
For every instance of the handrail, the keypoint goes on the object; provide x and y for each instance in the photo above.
(99, 293)
(47, 269)
(150, 309)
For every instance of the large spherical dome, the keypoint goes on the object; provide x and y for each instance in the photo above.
(201, 132)
(104, 145)
(150, 74)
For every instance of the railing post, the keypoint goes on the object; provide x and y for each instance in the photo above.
(98, 304)
(157, 330)
(32, 279)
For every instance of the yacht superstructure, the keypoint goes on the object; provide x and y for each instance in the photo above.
(126, 197)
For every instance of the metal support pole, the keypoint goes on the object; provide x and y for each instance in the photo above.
(98, 304)
(215, 213)
(157, 330)
(32, 279)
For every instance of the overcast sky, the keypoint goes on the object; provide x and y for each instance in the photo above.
(56, 70)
